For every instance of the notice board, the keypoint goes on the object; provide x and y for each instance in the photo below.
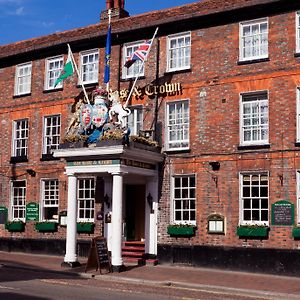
(3, 214)
(283, 213)
(32, 211)
(98, 256)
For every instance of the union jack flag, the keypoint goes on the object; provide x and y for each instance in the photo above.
(139, 54)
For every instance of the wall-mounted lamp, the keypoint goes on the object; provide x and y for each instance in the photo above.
(106, 200)
(215, 165)
(280, 176)
(150, 202)
(31, 172)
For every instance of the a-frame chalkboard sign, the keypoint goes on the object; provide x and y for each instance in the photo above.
(98, 256)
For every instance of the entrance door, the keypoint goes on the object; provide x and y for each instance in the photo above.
(135, 213)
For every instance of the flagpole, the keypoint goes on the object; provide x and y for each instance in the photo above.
(140, 69)
(109, 20)
(79, 77)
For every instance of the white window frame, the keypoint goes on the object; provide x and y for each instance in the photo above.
(53, 67)
(85, 199)
(135, 119)
(298, 115)
(260, 127)
(51, 133)
(298, 32)
(18, 200)
(134, 69)
(50, 195)
(183, 126)
(241, 199)
(20, 138)
(189, 210)
(261, 55)
(183, 53)
(94, 65)
(23, 79)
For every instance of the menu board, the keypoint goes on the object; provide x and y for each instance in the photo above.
(98, 256)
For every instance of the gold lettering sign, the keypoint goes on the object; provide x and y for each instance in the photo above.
(151, 90)
(94, 162)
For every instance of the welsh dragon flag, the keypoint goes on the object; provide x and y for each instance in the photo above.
(68, 69)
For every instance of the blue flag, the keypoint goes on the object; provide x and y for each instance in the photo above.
(107, 55)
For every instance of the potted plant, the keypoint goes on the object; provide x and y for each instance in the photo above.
(296, 232)
(15, 226)
(181, 229)
(259, 231)
(85, 227)
(46, 226)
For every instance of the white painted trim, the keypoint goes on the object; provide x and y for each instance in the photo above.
(81, 54)
(241, 221)
(251, 22)
(298, 114)
(46, 77)
(16, 85)
(241, 138)
(174, 36)
(141, 155)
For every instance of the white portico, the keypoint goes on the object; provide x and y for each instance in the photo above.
(120, 167)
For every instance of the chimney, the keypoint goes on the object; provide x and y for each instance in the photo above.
(117, 10)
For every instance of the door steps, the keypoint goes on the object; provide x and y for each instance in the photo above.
(133, 253)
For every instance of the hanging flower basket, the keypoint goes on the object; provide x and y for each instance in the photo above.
(252, 231)
(15, 226)
(46, 226)
(181, 230)
(296, 232)
(85, 227)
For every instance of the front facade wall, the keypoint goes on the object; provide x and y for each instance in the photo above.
(213, 86)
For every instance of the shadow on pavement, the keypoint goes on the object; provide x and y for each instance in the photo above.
(12, 271)
(14, 296)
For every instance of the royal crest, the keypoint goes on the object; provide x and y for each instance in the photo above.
(86, 116)
(100, 115)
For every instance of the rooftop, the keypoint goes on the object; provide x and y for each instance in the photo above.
(139, 23)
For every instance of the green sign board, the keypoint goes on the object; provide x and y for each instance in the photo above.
(3, 214)
(283, 213)
(32, 211)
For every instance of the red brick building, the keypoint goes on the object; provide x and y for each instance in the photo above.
(220, 93)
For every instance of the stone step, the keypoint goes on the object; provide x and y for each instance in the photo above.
(151, 262)
(133, 248)
(132, 254)
(134, 243)
(133, 261)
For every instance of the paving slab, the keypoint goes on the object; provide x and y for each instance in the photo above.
(262, 285)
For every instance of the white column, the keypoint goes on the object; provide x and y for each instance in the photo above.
(151, 218)
(107, 226)
(117, 200)
(71, 256)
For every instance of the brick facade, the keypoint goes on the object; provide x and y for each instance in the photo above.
(213, 86)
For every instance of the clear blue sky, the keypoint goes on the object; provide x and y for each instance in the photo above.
(24, 19)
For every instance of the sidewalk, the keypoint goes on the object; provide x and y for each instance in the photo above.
(250, 284)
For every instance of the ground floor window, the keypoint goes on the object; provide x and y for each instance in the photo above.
(18, 199)
(254, 198)
(50, 194)
(184, 199)
(86, 199)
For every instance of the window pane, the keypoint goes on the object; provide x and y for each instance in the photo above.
(255, 204)
(185, 208)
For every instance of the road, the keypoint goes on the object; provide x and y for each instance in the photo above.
(22, 284)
